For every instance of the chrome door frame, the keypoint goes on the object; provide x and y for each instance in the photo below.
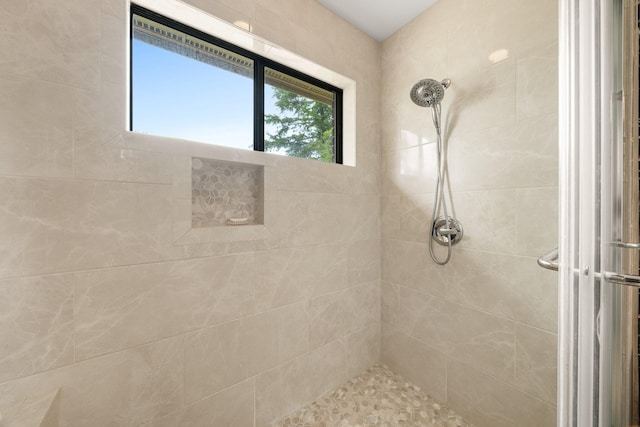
(590, 145)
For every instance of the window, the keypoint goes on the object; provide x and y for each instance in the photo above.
(191, 85)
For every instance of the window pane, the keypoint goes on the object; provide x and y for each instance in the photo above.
(187, 88)
(299, 118)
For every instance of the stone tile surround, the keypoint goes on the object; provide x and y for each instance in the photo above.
(222, 190)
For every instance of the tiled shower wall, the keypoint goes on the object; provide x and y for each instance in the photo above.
(107, 290)
(110, 294)
(481, 332)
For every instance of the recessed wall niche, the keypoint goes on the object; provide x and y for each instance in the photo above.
(226, 193)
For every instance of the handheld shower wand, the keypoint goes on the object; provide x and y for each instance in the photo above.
(445, 230)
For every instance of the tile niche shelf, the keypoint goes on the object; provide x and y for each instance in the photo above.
(226, 194)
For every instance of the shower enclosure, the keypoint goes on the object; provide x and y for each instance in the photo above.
(598, 214)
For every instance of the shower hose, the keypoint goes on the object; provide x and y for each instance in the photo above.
(440, 199)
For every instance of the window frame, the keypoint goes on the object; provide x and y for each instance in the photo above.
(259, 64)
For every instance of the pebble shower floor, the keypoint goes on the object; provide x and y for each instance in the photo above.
(377, 397)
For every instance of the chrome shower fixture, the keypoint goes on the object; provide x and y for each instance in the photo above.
(428, 92)
(445, 230)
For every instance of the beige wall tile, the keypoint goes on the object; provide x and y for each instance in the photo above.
(294, 174)
(113, 112)
(460, 332)
(490, 402)
(363, 262)
(294, 274)
(53, 41)
(220, 248)
(536, 362)
(182, 177)
(353, 55)
(275, 337)
(36, 325)
(35, 139)
(315, 18)
(223, 355)
(57, 225)
(124, 307)
(113, 59)
(293, 331)
(406, 125)
(270, 403)
(310, 218)
(313, 47)
(229, 408)
(300, 219)
(290, 386)
(477, 109)
(144, 384)
(111, 161)
(486, 76)
(231, 12)
(408, 264)
(363, 349)
(537, 82)
(114, 8)
(537, 213)
(407, 216)
(515, 155)
(400, 132)
(410, 170)
(365, 177)
(515, 26)
(514, 287)
(271, 25)
(416, 361)
(363, 221)
(39, 409)
(488, 218)
(214, 360)
(51, 417)
(335, 315)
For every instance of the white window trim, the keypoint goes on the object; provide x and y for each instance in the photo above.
(221, 29)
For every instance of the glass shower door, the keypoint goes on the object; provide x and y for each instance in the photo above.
(598, 268)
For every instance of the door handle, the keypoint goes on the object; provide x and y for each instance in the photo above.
(622, 279)
(626, 245)
(550, 262)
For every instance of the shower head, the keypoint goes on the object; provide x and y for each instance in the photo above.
(428, 92)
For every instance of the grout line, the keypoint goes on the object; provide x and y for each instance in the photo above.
(446, 379)
(73, 178)
(73, 321)
(480, 370)
(255, 398)
(534, 257)
(515, 353)
(184, 372)
(469, 307)
(227, 322)
(472, 190)
(515, 209)
(508, 384)
(189, 258)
